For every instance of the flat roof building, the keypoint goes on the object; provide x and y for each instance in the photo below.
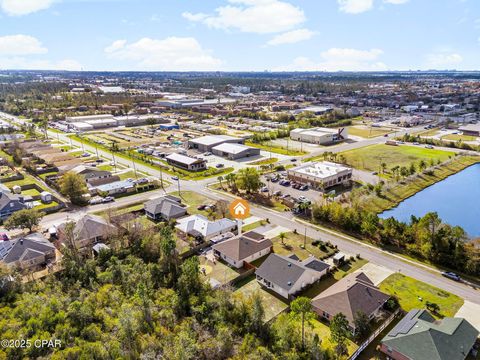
(186, 162)
(470, 129)
(207, 143)
(235, 151)
(321, 136)
(321, 175)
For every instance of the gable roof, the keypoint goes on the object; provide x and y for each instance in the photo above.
(283, 271)
(419, 336)
(352, 294)
(24, 248)
(242, 247)
(165, 207)
(7, 198)
(199, 225)
(183, 159)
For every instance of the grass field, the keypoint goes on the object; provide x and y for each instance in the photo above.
(267, 161)
(413, 294)
(323, 332)
(273, 305)
(254, 225)
(276, 149)
(457, 137)
(431, 132)
(193, 200)
(393, 196)
(371, 157)
(368, 132)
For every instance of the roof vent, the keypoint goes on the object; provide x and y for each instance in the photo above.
(289, 265)
(289, 283)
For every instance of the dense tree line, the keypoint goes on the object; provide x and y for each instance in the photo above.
(426, 237)
(139, 300)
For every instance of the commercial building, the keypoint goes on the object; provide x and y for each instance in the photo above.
(235, 151)
(470, 129)
(186, 162)
(321, 136)
(321, 175)
(207, 143)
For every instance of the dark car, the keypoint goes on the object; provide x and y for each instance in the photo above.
(451, 275)
(201, 207)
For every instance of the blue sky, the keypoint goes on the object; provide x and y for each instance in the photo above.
(240, 35)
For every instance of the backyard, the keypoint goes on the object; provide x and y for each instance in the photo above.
(293, 244)
(219, 271)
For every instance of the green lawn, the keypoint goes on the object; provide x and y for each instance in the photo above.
(323, 332)
(457, 137)
(369, 132)
(193, 200)
(276, 149)
(293, 244)
(393, 196)
(253, 225)
(371, 157)
(31, 192)
(267, 161)
(431, 132)
(44, 176)
(273, 304)
(413, 294)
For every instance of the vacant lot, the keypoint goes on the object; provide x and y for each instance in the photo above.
(368, 132)
(293, 244)
(457, 137)
(273, 305)
(371, 157)
(413, 294)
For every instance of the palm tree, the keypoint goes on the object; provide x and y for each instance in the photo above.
(383, 166)
(282, 237)
(220, 179)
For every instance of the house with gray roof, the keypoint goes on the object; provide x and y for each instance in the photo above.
(235, 151)
(242, 249)
(186, 162)
(9, 203)
(208, 142)
(88, 230)
(287, 276)
(420, 336)
(29, 252)
(353, 294)
(164, 208)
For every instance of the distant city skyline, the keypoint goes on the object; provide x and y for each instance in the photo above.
(240, 35)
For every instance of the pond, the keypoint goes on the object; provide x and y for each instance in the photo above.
(456, 200)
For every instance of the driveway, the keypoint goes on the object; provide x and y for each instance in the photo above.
(376, 273)
(471, 312)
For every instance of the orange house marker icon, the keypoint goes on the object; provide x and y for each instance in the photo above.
(239, 209)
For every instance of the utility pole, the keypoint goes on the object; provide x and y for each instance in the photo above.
(134, 168)
(305, 239)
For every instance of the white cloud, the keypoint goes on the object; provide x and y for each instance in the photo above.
(11, 45)
(21, 63)
(291, 37)
(252, 16)
(355, 6)
(396, 2)
(24, 7)
(172, 53)
(442, 60)
(339, 59)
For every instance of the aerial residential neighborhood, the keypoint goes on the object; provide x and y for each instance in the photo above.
(240, 179)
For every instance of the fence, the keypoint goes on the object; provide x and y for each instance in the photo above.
(374, 335)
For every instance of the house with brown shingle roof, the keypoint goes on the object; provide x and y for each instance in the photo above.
(350, 296)
(242, 249)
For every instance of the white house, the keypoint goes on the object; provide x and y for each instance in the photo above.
(200, 227)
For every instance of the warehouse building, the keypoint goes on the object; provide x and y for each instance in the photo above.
(207, 143)
(321, 136)
(186, 162)
(470, 129)
(235, 151)
(321, 175)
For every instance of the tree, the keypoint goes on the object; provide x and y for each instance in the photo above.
(248, 179)
(383, 166)
(339, 332)
(282, 237)
(24, 219)
(74, 187)
(362, 324)
(422, 165)
(221, 207)
(220, 179)
(302, 306)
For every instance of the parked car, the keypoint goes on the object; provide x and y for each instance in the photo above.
(99, 160)
(175, 178)
(293, 160)
(264, 189)
(218, 166)
(275, 179)
(386, 135)
(451, 275)
(85, 155)
(428, 147)
(4, 237)
(304, 187)
(208, 153)
(277, 193)
(201, 207)
(96, 201)
(108, 199)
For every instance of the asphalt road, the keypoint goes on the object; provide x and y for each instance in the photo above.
(350, 246)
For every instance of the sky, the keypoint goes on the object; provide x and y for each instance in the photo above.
(240, 35)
